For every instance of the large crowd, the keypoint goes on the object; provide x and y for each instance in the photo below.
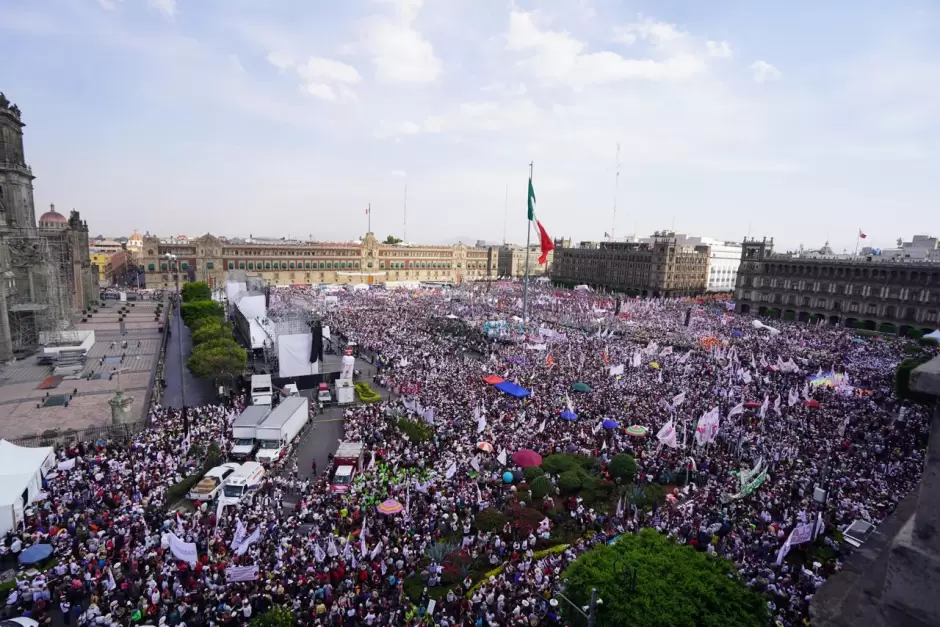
(812, 404)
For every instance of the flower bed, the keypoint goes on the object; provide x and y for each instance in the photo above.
(366, 394)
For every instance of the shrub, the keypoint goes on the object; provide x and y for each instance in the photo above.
(366, 394)
(541, 487)
(416, 430)
(915, 334)
(524, 519)
(571, 480)
(911, 349)
(532, 472)
(605, 487)
(622, 467)
(524, 496)
(491, 520)
(277, 616)
(929, 341)
(561, 462)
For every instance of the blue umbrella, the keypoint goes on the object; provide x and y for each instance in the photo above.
(35, 554)
(737, 333)
(569, 415)
(610, 424)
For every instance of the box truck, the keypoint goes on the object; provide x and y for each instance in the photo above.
(346, 463)
(243, 431)
(280, 428)
(261, 391)
(345, 392)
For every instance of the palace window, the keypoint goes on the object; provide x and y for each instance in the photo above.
(231, 265)
(151, 267)
(210, 266)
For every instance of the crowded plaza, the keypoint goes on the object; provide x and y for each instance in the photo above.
(742, 430)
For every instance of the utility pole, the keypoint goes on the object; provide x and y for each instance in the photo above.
(528, 239)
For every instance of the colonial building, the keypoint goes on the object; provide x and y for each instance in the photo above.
(209, 258)
(660, 268)
(45, 270)
(870, 292)
(512, 259)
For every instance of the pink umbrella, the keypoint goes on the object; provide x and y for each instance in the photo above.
(526, 457)
(390, 507)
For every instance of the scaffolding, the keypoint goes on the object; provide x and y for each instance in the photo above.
(39, 277)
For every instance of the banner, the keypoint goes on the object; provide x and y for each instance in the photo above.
(248, 541)
(241, 573)
(183, 551)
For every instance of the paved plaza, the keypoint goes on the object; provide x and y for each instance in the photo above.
(83, 402)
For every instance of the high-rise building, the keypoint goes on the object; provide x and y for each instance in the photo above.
(45, 270)
(871, 292)
(663, 267)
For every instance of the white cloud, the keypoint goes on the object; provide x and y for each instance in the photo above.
(659, 34)
(763, 71)
(167, 7)
(280, 60)
(109, 5)
(322, 69)
(719, 49)
(399, 52)
(321, 91)
(559, 58)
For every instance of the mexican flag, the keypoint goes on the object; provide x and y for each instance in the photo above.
(544, 240)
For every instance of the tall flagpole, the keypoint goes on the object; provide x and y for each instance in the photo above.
(528, 239)
(857, 235)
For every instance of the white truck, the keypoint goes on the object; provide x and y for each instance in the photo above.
(280, 428)
(262, 393)
(345, 392)
(210, 486)
(243, 431)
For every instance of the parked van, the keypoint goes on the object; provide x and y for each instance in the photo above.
(243, 483)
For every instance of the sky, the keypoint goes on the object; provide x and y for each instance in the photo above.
(802, 121)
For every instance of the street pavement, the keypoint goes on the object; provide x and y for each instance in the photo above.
(198, 391)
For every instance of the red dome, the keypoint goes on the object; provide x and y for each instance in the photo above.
(52, 216)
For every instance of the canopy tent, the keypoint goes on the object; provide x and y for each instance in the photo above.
(512, 389)
(934, 335)
(580, 387)
(492, 379)
(21, 473)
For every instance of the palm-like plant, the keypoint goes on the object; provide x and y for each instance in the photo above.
(439, 551)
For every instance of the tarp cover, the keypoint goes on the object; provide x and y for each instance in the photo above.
(21, 470)
(935, 334)
(493, 379)
(293, 354)
(512, 389)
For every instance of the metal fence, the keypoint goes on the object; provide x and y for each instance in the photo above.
(60, 438)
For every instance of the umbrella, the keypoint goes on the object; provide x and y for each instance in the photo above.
(609, 424)
(569, 415)
(654, 365)
(485, 446)
(636, 430)
(752, 404)
(390, 507)
(580, 387)
(736, 333)
(811, 402)
(35, 554)
(526, 457)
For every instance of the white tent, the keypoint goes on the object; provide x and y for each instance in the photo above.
(21, 473)
(935, 335)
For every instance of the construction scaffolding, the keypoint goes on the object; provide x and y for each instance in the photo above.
(38, 281)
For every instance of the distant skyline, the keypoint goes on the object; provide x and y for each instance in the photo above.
(799, 121)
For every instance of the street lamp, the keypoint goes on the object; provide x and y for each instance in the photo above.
(587, 611)
(179, 339)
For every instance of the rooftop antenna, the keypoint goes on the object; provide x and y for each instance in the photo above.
(505, 212)
(613, 223)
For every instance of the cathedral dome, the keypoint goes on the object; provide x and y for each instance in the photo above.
(52, 217)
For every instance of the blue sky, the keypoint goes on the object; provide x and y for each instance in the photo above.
(798, 120)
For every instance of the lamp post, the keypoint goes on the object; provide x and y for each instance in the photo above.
(179, 339)
(589, 611)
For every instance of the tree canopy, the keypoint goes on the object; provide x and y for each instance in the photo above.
(210, 330)
(195, 312)
(277, 616)
(622, 467)
(392, 240)
(676, 586)
(218, 358)
(198, 290)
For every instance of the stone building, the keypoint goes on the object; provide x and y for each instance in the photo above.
(209, 258)
(511, 261)
(45, 271)
(660, 268)
(870, 292)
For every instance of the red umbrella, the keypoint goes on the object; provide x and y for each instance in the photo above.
(811, 402)
(752, 404)
(526, 457)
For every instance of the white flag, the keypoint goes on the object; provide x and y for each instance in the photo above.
(616, 370)
(667, 435)
(792, 398)
(451, 470)
(678, 399)
(249, 541)
(737, 409)
(501, 458)
(318, 553)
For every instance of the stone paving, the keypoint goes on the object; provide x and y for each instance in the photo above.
(20, 414)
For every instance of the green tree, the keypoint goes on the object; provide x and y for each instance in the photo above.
(391, 240)
(541, 487)
(622, 467)
(277, 616)
(201, 309)
(217, 359)
(675, 586)
(198, 290)
(532, 472)
(209, 330)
